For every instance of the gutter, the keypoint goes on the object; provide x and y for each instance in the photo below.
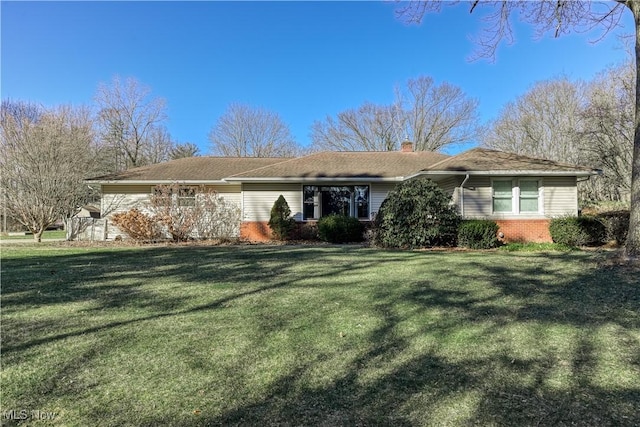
(466, 178)
(314, 179)
(155, 182)
(507, 173)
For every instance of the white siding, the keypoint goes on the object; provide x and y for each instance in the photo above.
(379, 192)
(477, 197)
(258, 199)
(121, 198)
(560, 196)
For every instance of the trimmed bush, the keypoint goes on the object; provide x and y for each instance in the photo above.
(616, 224)
(417, 213)
(478, 234)
(336, 228)
(307, 231)
(577, 231)
(281, 222)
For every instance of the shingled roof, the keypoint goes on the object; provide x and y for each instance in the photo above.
(342, 165)
(200, 169)
(483, 161)
(387, 165)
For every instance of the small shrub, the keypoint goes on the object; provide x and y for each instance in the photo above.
(616, 224)
(281, 222)
(137, 225)
(336, 228)
(307, 231)
(417, 213)
(577, 231)
(478, 234)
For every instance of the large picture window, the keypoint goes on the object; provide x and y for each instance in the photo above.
(348, 200)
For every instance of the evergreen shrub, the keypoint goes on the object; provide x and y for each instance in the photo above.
(478, 234)
(336, 228)
(417, 213)
(577, 231)
(281, 222)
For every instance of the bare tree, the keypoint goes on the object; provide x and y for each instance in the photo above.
(44, 156)
(557, 17)
(245, 131)
(187, 149)
(437, 115)
(131, 123)
(544, 122)
(433, 116)
(607, 133)
(369, 128)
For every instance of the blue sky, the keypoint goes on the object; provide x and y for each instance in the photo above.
(303, 60)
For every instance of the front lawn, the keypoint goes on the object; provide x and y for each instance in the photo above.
(285, 335)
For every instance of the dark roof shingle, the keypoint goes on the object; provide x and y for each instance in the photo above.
(485, 160)
(192, 169)
(347, 164)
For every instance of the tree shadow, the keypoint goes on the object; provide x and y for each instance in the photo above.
(402, 375)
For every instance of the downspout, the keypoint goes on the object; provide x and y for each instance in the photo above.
(466, 178)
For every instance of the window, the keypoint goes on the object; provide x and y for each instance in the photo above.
(516, 196)
(187, 196)
(349, 200)
(502, 196)
(177, 196)
(528, 196)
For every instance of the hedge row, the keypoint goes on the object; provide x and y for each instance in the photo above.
(590, 230)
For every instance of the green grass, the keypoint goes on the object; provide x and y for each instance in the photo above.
(537, 247)
(50, 234)
(286, 335)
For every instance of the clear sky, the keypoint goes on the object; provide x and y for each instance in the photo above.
(303, 60)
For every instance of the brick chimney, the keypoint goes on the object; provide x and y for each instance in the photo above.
(406, 146)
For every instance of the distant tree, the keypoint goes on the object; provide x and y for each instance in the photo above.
(607, 133)
(369, 127)
(432, 116)
(245, 131)
(437, 116)
(558, 17)
(131, 123)
(544, 122)
(180, 151)
(44, 156)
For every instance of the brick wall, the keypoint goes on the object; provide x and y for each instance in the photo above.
(514, 230)
(525, 230)
(257, 231)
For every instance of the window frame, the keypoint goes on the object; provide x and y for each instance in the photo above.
(517, 197)
(317, 200)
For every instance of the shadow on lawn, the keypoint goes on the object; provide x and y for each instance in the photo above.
(117, 279)
(495, 384)
(504, 387)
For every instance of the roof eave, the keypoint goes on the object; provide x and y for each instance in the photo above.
(510, 173)
(315, 179)
(156, 182)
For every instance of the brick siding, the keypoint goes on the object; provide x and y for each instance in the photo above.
(525, 230)
(514, 230)
(255, 231)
